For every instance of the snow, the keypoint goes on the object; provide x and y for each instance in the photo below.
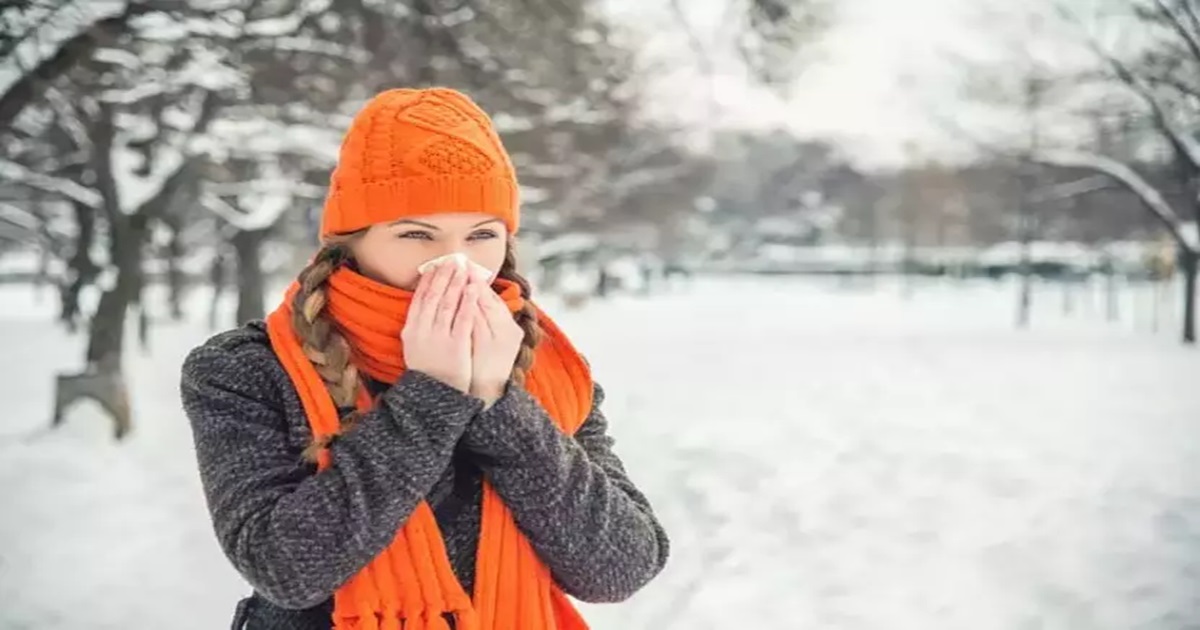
(118, 57)
(265, 209)
(15, 215)
(160, 27)
(310, 45)
(68, 20)
(1009, 253)
(262, 201)
(533, 194)
(262, 135)
(208, 69)
(567, 244)
(132, 95)
(133, 189)
(65, 187)
(822, 456)
(286, 24)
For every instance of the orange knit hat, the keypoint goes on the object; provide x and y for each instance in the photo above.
(412, 152)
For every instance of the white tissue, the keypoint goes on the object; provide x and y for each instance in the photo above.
(458, 258)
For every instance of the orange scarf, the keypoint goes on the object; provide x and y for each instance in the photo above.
(411, 584)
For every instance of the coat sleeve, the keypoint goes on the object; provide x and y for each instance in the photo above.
(571, 497)
(296, 534)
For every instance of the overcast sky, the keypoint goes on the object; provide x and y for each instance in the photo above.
(874, 83)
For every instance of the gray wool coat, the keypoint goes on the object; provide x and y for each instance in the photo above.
(296, 534)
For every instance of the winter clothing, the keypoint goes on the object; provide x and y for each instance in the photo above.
(412, 579)
(413, 152)
(429, 497)
(296, 534)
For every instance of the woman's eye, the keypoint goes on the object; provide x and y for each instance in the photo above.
(417, 234)
(482, 234)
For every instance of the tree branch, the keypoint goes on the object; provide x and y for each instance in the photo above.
(705, 61)
(158, 202)
(1176, 84)
(1067, 190)
(1189, 9)
(30, 85)
(1150, 196)
(1184, 145)
(1177, 25)
(55, 185)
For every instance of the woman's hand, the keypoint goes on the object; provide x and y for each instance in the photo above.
(496, 340)
(437, 332)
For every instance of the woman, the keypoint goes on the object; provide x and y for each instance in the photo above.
(392, 449)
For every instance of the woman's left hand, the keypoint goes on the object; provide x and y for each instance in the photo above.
(495, 342)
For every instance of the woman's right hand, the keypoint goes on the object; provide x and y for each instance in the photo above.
(437, 333)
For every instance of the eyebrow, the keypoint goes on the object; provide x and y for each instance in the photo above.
(420, 223)
(434, 227)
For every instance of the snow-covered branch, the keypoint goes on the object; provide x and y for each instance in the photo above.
(313, 46)
(261, 135)
(1127, 177)
(48, 183)
(1185, 143)
(52, 49)
(286, 24)
(68, 119)
(19, 217)
(628, 183)
(261, 202)
(265, 207)
(139, 178)
(1067, 190)
(246, 190)
(44, 40)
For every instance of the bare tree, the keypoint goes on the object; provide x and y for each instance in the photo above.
(1141, 59)
(1162, 75)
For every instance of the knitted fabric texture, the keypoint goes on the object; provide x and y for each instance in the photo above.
(411, 584)
(414, 152)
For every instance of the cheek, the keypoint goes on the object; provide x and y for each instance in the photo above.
(394, 264)
(403, 276)
(489, 253)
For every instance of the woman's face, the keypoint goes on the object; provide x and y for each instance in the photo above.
(391, 252)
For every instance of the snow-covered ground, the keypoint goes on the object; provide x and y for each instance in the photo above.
(823, 457)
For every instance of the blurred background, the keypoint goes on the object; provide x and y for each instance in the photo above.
(894, 302)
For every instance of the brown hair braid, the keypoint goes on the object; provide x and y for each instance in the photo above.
(526, 317)
(322, 343)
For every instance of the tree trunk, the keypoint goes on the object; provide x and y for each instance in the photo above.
(1068, 295)
(1110, 290)
(103, 379)
(82, 269)
(176, 282)
(909, 266)
(106, 334)
(216, 278)
(1025, 295)
(247, 246)
(1026, 231)
(1188, 260)
(43, 271)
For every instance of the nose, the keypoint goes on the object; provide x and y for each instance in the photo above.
(447, 247)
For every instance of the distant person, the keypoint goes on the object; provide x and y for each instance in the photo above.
(411, 445)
